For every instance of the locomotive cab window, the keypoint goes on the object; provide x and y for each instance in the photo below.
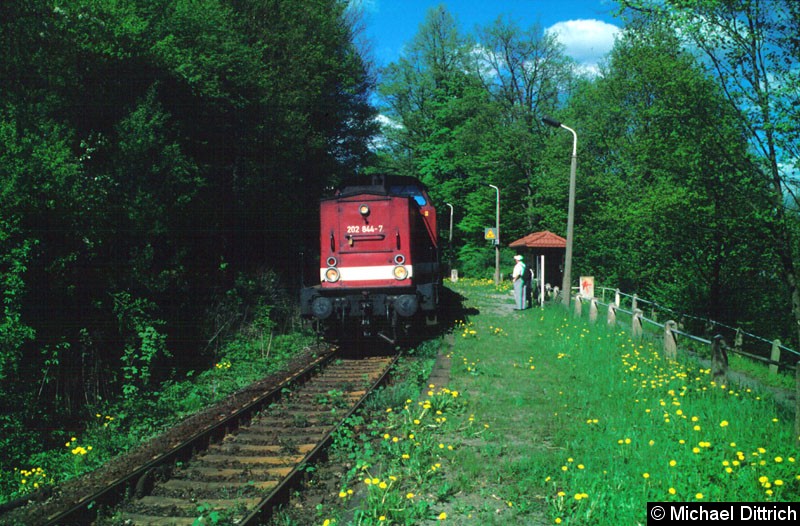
(409, 191)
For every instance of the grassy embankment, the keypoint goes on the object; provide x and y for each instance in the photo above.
(117, 427)
(550, 420)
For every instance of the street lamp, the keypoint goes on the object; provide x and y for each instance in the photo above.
(451, 221)
(565, 284)
(497, 240)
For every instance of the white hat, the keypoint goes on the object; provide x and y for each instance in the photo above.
(518, 257)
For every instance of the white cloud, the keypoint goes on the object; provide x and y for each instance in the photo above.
(587, 41)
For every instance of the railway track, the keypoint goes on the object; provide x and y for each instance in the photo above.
(248, 463)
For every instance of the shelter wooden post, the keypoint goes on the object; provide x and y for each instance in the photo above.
(593, 311)
(775, 356)
(636, 324)
(578, 305)
(670, 342)
(719, 358)
(611, 315)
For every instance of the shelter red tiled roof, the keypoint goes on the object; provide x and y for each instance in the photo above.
(544, 239)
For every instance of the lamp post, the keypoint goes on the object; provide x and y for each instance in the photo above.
(450, 243)
(497, 241)
(451, 221)
(565, 284)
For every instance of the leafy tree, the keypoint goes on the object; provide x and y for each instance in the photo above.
(464, 112)
(151, 154)
(750, 46)
(668, 189)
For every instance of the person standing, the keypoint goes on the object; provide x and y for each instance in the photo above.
(518, 277)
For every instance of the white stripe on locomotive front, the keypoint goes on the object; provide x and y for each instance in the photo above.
(371, 273)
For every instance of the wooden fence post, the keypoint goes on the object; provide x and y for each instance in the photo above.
(636, 323)
(616, 297)
(670, 343)
(719, 358)
(593, 311)
(775, 356)
(738, 340)
(578, 305)
(634, 303)
(612, 315)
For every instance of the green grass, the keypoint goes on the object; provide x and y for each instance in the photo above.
(563, 422)
(126, 423)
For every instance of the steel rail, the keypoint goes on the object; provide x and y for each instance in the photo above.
(86, 510)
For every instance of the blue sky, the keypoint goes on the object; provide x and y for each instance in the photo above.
(585, 27)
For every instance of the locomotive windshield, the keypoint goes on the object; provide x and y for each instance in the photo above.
(409, 191)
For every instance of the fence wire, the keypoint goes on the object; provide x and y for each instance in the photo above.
(709, 324)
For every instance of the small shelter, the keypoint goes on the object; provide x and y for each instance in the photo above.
(548, 251)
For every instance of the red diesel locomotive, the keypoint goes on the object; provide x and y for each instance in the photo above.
(379, 259)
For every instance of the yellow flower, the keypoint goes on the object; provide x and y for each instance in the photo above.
(672, 491)
(646, 475)
(342, 494)
(442, 516)
(409, 495)
(724, 423)
(672, 463)
(699, 496)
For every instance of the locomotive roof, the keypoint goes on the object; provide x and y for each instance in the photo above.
(380, 185)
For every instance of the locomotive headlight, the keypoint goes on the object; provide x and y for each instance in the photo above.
(332, 275)
(400, 272)
(363, 210)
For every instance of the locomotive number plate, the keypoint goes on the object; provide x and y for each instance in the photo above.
(364, 229)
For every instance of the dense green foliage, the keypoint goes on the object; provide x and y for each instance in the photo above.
(673, 200)
(156, 158)
(161, 161)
